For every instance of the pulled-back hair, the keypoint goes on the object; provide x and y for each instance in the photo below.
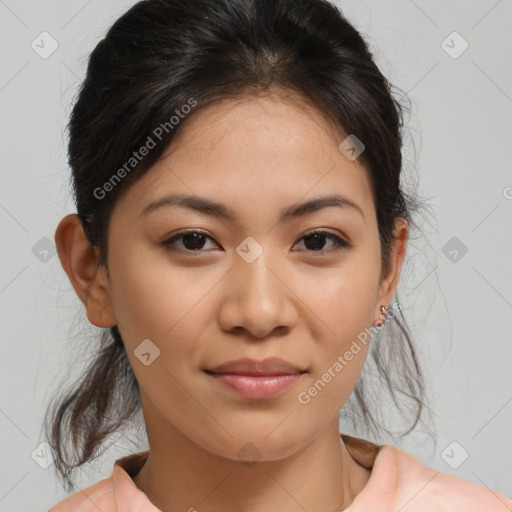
(163, 55)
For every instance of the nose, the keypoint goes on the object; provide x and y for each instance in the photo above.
(257, 299)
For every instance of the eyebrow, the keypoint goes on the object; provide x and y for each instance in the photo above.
(214, 209)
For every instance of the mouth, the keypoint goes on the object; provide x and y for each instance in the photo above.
(256, 379)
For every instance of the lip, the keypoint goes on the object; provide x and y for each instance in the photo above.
(256, 387)
(254, 379)
(271, 366)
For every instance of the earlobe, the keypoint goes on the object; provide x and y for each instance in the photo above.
(79, 259)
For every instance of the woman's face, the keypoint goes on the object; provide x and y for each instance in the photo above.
(254, 284)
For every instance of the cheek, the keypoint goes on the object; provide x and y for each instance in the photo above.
(340, 351)
(165, 306)
(344, 302)
(344, 298)
(152, 299)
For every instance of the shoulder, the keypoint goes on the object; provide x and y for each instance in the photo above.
(113, 494)
(98, 496)
(426, 489)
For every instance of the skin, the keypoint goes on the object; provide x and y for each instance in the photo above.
(256, 156)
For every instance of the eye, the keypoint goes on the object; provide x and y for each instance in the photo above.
(193, 240)
(315, 240)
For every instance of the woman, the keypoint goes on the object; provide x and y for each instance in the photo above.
(214, 144)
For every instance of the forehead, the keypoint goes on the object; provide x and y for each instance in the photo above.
(260, 151)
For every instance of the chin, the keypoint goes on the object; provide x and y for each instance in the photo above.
(255, 444)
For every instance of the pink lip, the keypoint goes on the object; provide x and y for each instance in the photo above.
(270, 366)
(257, 379)
(257, 387)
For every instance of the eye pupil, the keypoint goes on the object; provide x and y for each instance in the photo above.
(318, 241)
(197, 241)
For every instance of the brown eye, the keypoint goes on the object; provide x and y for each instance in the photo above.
(315, 241)
(191, 241)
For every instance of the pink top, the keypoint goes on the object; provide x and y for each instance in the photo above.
(398, 481)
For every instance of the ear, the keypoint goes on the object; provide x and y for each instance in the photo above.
(79, 259)
(389, 280)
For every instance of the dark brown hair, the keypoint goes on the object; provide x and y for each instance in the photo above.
(154, 59)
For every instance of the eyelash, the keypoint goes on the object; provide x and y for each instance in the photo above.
(340, 242)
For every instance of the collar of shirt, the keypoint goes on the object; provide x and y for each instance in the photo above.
(398, 481)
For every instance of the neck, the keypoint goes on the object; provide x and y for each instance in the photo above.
(181, 475)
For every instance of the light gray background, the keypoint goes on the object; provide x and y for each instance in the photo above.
(461, 312)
